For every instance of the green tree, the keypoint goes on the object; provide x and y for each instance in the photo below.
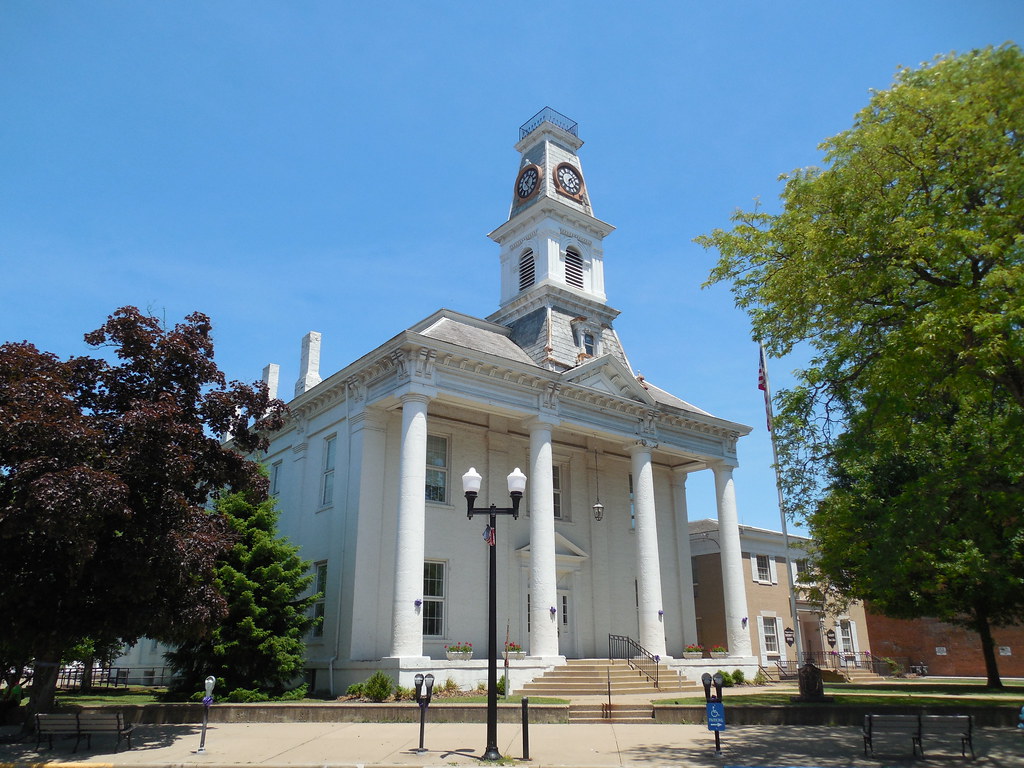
(259, 645)
(901, 265)
(105, 472)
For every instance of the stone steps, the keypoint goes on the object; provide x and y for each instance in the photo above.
(594, 677)
(617, 713)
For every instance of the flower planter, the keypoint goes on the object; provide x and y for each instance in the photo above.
(693, 655)
(514, 654)
(719, 654)
(459, 655)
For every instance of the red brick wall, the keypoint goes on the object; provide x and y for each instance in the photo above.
(918, 639)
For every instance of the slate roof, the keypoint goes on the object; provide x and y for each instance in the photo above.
(476, 338)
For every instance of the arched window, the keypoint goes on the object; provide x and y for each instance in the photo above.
(526, 270)
(573, 268)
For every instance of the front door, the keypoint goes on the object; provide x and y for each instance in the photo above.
(566, 622)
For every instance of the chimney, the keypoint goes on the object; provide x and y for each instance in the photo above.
(309, 368)
(271, 375)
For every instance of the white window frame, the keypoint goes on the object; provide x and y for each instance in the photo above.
(437, 613)
(275, 477)
(442, 471)
(755, 570)
(319, 607)
(330, 460)
(560, 490)
(764, 622)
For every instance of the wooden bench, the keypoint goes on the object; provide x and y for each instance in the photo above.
(917, 727)
(901, 725)
(83, 725)
(56, 725)
(954, 726)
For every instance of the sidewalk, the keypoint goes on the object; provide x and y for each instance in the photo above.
(315, 745)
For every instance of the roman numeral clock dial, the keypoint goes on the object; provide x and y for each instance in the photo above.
(570, 182)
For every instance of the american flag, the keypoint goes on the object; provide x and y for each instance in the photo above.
(489, 536)
(762, 384)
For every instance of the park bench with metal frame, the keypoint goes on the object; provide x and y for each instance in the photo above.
(82, 725)
(954, 726)
(917, 727)
(900, 725)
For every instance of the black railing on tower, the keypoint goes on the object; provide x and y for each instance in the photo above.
(551, 116)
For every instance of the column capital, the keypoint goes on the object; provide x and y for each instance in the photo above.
(416, 393)
(642, 444)
(542, 421)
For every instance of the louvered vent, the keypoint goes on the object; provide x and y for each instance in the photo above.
(573, 269)
(526, 270)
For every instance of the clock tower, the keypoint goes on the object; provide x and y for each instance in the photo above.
(552, 252)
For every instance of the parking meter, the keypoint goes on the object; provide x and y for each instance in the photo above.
(715, 707)
(424, 689)
(207, 701)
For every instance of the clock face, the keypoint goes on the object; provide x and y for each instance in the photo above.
(569, 179)
(527, 182)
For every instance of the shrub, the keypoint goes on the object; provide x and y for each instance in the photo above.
(761, 678)
(727, 681)
(502, 684)
(738, 677)
(378, 687)
(402, 693)
(450, 688)
(356, 689)
(246, 696)
(295, 694)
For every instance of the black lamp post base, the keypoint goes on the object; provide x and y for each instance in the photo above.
(492, 753)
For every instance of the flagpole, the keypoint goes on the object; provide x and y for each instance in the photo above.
(765, 385)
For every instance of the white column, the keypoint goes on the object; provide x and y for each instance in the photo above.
(543, 575)
(684, 557)
(648, 563)
(407, 625)
(733, 585)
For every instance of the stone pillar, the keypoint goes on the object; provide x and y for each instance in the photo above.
(684, 557)
(732, 562)
(543, 574)
(648, 563)
(407, 624)
(365, 616)
(271, 376)
(309, 365)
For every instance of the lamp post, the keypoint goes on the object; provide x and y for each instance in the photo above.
(471, 486)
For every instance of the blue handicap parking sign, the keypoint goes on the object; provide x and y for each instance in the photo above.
(716, 716)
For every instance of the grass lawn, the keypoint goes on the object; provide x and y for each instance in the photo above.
(928, 692)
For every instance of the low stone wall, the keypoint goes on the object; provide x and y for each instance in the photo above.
(830, 714)
(330, 712)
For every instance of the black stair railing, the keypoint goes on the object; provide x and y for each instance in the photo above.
(638, 657)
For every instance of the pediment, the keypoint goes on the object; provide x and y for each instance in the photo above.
(606, 374)
(565, 550)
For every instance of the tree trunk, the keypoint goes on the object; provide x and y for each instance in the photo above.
(87, 673)
(988, 648)
(44, 685)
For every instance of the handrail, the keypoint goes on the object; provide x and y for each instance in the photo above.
(635, 655)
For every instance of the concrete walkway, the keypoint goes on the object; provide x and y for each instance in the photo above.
(315, 745)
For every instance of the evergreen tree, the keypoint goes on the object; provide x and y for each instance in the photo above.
(259, 646)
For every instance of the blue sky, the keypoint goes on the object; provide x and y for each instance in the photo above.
(335, 166)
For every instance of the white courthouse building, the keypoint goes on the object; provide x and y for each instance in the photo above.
(367, 470)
